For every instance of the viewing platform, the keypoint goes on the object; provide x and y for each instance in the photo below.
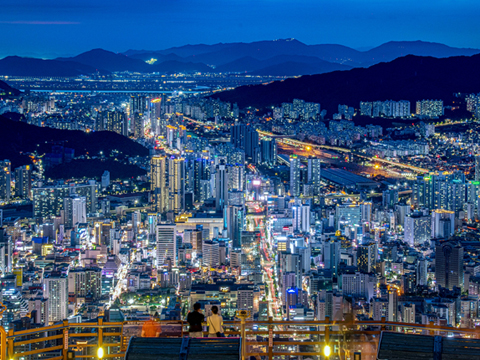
(259, 339)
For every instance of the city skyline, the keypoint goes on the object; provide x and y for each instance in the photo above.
(121, 25)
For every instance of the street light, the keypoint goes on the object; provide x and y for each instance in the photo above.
(327, 350)
(100, 353)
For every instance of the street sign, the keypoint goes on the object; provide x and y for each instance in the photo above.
(65, 340)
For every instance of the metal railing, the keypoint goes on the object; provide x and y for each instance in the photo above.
(267, 339)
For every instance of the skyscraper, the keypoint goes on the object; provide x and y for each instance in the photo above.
(138, 125)
(443, 224)
(449, 265)
(294, 176)
(23, 182)
(477, 168)
(331, 255)
(234, 218)
(158, 183)
(176, 184)
(221, 185)
(75, 208)
(5, 180)
(211, 253)
(55, 287)
(367, 257)
(314, 174)
(166, 244)
(269, 151)
(418, 228)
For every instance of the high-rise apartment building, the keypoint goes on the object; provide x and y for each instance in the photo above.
(23, 182)
(294, 176)
(314, 171)
(449, 265)
(176, 184)
(75, 208)
(158, 183)
(55, 286)
(166, 244)
(5, 180)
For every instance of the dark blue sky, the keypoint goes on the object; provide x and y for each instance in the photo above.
(49, 28)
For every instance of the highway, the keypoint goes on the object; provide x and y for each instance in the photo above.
(309, 147)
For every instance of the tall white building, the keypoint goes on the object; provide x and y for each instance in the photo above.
(359, 285)
(211, 253)
(418, 228)
(166, 244)
(75, 211)
(55, 287)
(443, 223)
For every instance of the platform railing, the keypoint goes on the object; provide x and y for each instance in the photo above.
(267, 339)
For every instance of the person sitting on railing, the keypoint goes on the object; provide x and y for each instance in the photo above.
(151, 328)
(215, 324)
(195, 319)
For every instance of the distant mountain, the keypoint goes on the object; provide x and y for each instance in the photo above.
(18, 138)
(19, 66)
(291, 68)
(7, 90)
(284, 57)
(224, 53)
(394, 49)
(103, 59)
(292, 64)
(407, 78)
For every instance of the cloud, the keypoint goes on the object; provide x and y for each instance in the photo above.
(23, 22)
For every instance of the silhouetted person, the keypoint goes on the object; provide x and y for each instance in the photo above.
(195, 319)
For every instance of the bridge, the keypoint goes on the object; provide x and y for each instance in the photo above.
(260, 339)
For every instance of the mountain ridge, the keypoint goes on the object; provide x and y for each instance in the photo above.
(408, 78)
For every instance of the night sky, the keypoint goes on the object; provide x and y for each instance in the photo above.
(50, 28)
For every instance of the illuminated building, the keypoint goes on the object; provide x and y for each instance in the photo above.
(443, 224)
(23, 182)
(158, 183)
(418, 228)
(314, 174)
(359, 285)
(75, 211)
(449, 265)
(429, 108)
(367, 257)
(166, 244)
(221, 185)
(176, 184)
(56, 289)
(269, 151)
(234, 221)
(83, 282)
(5, 180)
(211, 253)
(347, 214)
(294, 176)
